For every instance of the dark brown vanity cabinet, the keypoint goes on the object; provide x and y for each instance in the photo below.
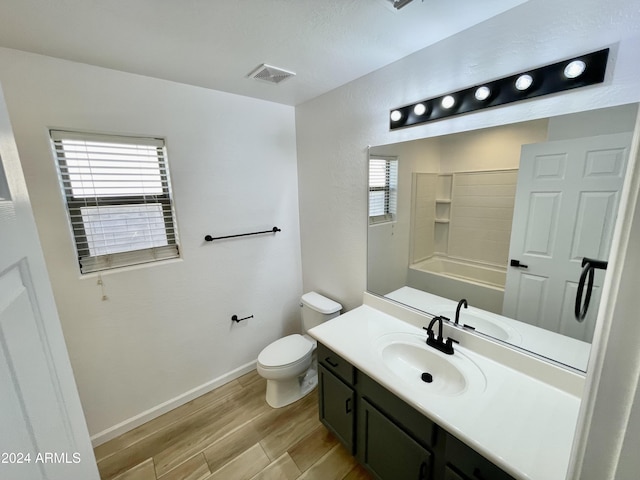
(390, 438)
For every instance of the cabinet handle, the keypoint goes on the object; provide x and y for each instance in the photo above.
(347, 406)
(422, 475)
(330, 362)
(477, 474)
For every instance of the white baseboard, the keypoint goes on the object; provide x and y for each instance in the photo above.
(137, 420)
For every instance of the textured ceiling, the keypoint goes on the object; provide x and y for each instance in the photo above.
(216, 44)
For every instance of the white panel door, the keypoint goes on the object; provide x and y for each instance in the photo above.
(43, 434)
(565, 209)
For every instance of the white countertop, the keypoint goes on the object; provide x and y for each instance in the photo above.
(520, 423)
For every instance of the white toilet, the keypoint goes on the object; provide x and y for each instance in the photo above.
(289, 364)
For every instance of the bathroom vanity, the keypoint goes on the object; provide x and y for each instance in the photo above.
(485, 412)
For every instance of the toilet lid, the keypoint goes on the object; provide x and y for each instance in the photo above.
(285, 351)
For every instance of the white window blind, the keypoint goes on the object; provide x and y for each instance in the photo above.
(383, 189)
(118, 198)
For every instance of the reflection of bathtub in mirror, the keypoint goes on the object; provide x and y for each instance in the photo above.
(566, 350)
(482, 285)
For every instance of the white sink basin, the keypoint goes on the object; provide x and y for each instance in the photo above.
(486, 324)
(409, 357)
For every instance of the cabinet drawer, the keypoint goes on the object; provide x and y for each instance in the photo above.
(469, 464)
(336, 364)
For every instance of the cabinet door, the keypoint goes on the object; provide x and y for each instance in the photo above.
(470, 464)
(414, 423)
(451, 474)
(389, 453)
(337, 407)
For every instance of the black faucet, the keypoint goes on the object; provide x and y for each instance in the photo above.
(460, 304)
(438, 342)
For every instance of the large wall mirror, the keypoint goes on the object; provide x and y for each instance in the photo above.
(503, 218)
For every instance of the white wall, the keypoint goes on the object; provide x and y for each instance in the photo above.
(596, 122)
(496, 148)
(333, 130)
(165, 328)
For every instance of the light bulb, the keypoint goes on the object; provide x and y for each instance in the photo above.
(524, 81)
(396, 115)
(574, 69)
(482, 93)
(448, 101)
(419, 109)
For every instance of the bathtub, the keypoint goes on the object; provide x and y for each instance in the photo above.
(482, 285)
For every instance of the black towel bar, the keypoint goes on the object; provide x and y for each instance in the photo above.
(588, 267)
(209, 238)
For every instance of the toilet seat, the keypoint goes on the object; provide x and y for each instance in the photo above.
(285, 352)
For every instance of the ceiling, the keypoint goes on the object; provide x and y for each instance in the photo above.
(216, 44)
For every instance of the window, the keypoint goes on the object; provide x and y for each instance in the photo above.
(383, 189)
(118, 198)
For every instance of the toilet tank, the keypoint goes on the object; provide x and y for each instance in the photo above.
(317, 309)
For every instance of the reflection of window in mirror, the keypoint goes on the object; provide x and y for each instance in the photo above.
(383, 189)
(4, 188)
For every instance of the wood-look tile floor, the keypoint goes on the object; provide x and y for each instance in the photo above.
(231, 434)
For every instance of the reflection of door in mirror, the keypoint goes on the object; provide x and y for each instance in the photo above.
(567, 197)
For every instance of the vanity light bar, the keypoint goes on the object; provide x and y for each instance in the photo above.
(575, 72)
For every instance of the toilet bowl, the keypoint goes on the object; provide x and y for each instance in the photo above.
(285, 363)
(288, 364)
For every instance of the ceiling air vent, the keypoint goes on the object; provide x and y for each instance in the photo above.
(270, 74)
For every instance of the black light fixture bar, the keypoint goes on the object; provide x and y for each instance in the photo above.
(575, 72)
